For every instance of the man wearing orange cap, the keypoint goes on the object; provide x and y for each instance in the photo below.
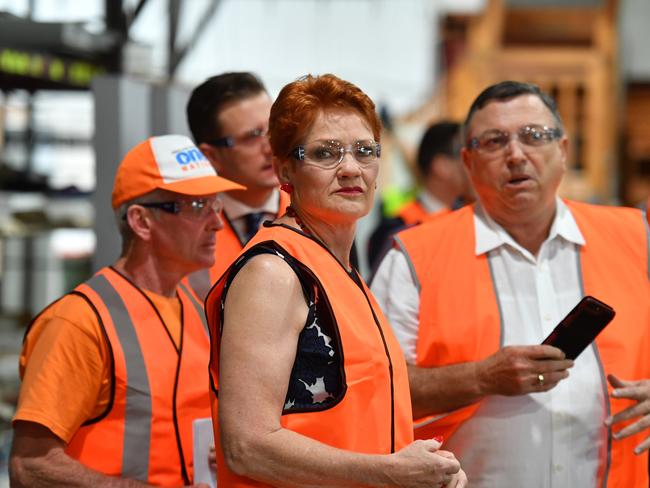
(114, 373)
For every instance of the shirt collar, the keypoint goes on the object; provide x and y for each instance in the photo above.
(430, 203)
(235, 209)
(490, 235)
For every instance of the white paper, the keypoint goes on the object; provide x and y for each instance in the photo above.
(203, 437)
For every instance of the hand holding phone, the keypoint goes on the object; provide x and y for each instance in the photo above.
(580, 327)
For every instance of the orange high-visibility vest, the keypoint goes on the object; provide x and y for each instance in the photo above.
(413, 213)
(228, 248)
(374, 415)
(460, 319)
(157, 390)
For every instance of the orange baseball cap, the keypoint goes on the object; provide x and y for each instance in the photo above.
(171, 163)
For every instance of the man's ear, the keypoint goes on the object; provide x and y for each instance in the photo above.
(140, 221)
(466, 156)
(564, 149)
(212, 153)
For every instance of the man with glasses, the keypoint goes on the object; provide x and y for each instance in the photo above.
(474, 293)
(228, 116)
(114, 373)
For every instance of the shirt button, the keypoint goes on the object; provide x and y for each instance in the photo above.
(547, 317)
(558, 468)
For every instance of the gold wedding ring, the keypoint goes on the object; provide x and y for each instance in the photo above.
(540, 379)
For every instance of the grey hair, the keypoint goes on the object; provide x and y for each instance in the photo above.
(123, 227)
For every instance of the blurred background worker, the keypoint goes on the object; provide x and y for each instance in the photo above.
(444, 186)
(114, 373)
(228, 115)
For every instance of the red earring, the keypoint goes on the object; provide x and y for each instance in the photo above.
(286, 187)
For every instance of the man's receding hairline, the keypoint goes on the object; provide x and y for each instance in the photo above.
(469, 122)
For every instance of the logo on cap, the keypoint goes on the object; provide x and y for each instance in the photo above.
(191, 158)
(179, 159)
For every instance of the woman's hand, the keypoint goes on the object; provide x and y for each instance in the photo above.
(421, 465)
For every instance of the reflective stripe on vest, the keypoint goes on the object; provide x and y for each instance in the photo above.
(157, 389)
(199, 282)
(613, 267)
(647, 234)
(197, 307)
(374, 416)
(137, 417)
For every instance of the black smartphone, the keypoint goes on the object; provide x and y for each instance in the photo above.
(581, 326)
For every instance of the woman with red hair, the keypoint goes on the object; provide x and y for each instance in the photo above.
(311, 385)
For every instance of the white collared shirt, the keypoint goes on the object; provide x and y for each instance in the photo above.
(546, 440)
(236, 211)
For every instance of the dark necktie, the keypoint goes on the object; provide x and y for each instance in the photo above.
(253, 221)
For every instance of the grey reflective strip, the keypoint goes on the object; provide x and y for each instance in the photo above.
(137, 415)
(414, 275)
(424, 423)
(200, 282)
(496, 294)
(647, 239)
(197, 307)
(603, 378)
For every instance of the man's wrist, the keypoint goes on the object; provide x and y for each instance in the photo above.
(483, 386)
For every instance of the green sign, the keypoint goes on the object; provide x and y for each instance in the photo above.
(46, 67)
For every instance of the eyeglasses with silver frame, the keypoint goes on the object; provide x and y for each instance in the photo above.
(495, 140)
(196, 208)
(329, 154)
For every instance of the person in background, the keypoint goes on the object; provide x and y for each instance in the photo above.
(114, 373)
(473, 293)
(444, 181)
(311, 384)
(228, 116)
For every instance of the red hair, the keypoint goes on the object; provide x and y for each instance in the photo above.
(300, 102)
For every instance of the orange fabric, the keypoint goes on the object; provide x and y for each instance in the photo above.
(178, 389)
(437, 343)
(66, 337)
(170, 162)
(169, 309)
(414, 213)
(228, 248)
(374, 415)
(457, 327)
